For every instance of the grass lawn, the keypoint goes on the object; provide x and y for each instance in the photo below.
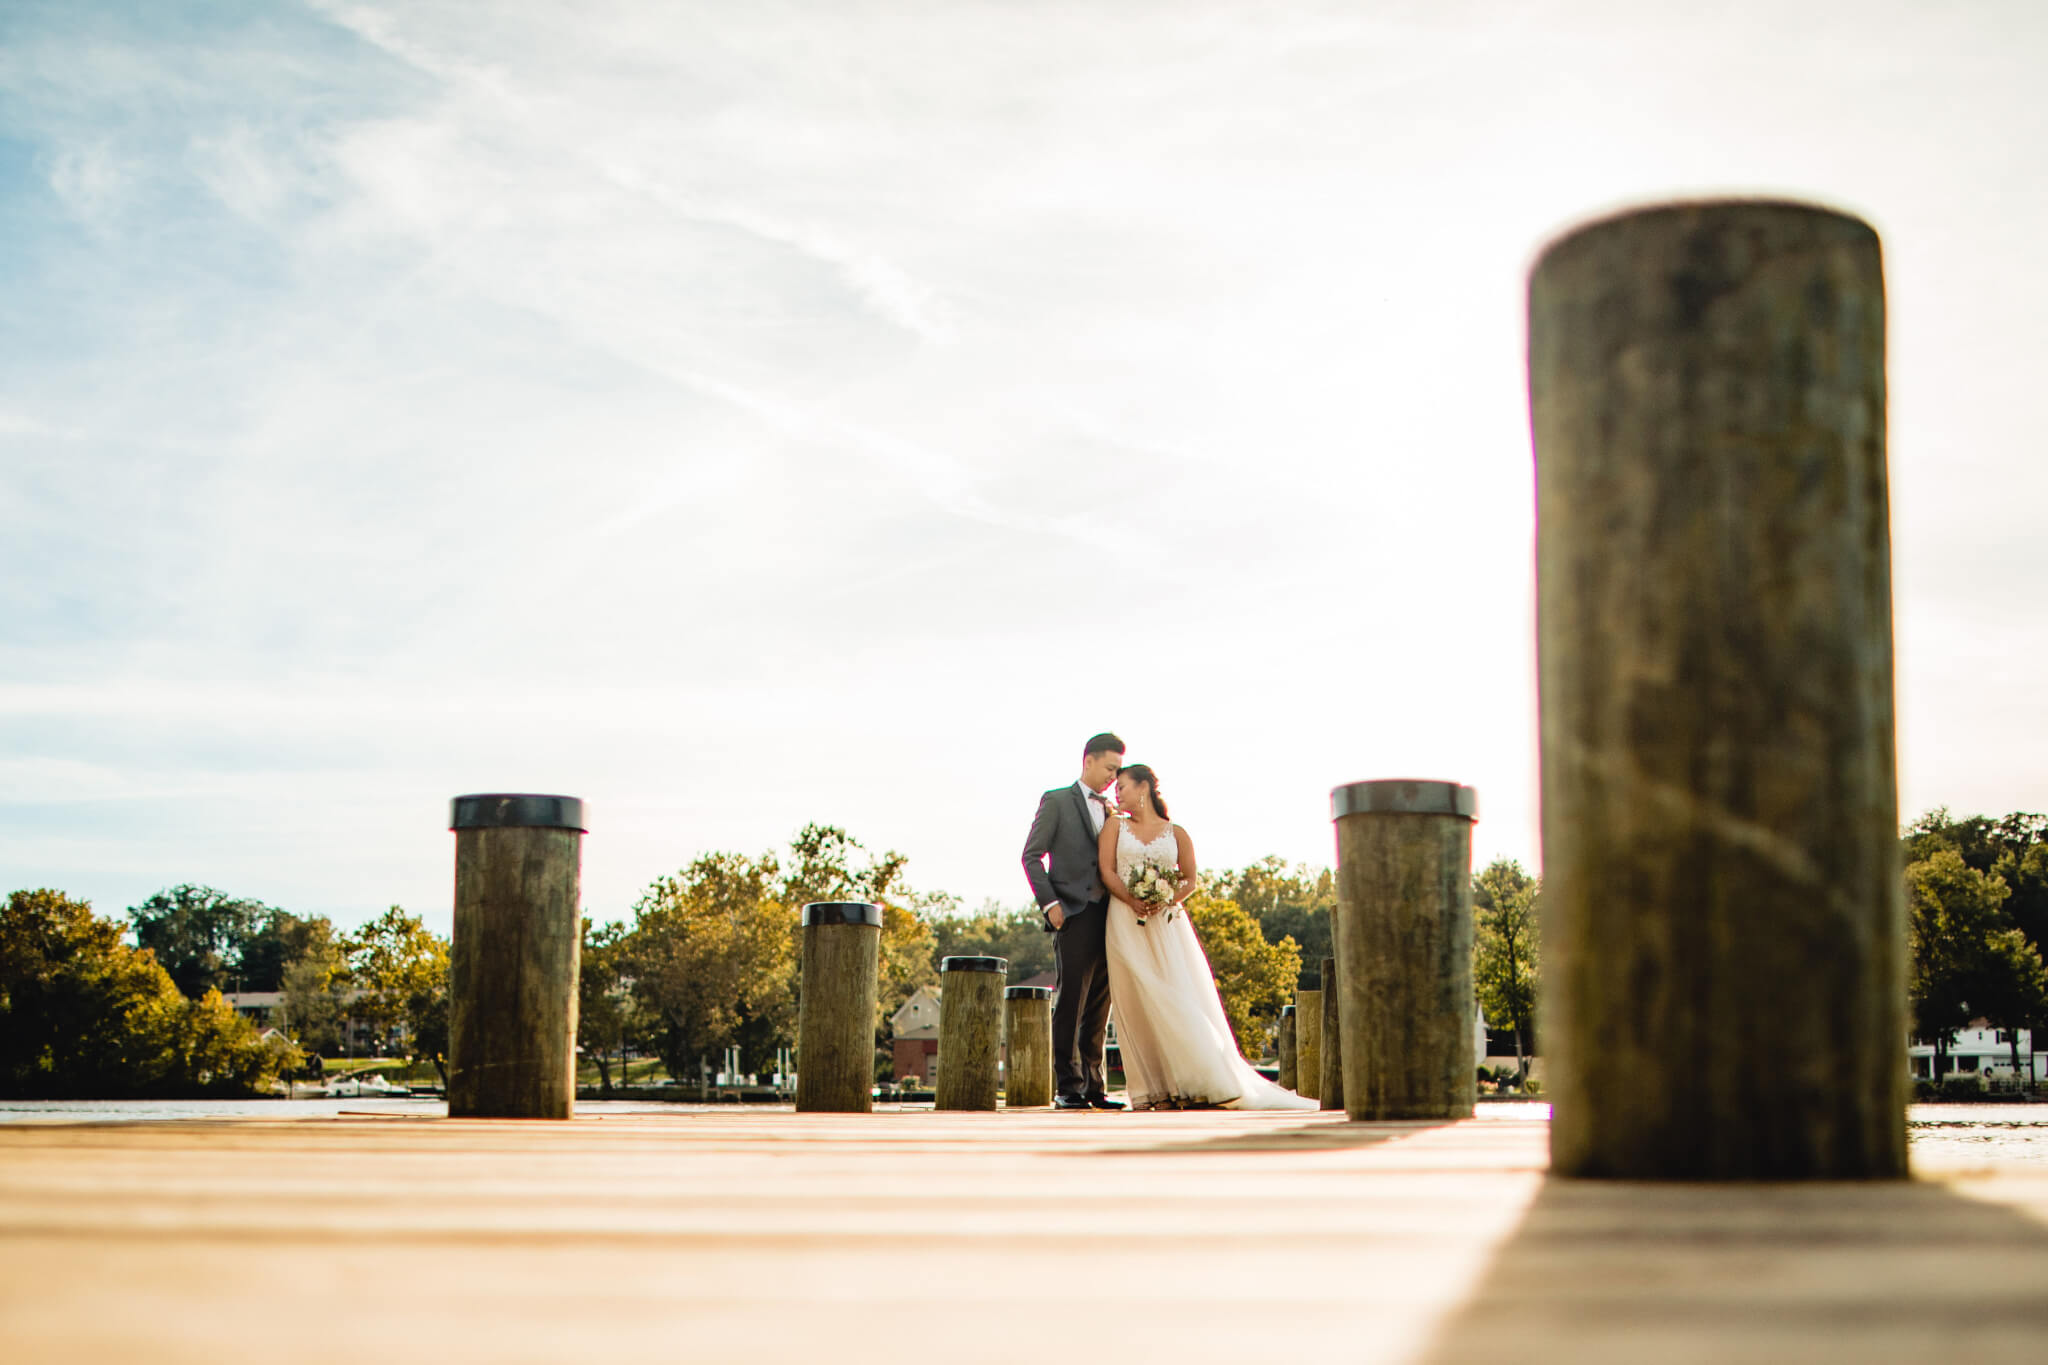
(639, 1071)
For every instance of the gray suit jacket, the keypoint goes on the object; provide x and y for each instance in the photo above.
(1064, 836)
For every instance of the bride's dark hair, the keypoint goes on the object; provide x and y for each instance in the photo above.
(1138, 772)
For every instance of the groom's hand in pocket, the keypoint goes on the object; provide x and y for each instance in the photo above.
(1056, 914)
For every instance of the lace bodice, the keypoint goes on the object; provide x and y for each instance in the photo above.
(1163, 851)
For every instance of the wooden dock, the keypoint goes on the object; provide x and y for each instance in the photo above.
(717, 1234)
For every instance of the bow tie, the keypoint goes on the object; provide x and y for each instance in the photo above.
(1099, 797)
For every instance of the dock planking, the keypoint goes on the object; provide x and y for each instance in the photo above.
(721, 1234)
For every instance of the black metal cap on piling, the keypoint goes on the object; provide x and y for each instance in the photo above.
(516, 810)
(1028, 993)
(842, 912)
(974, 964)
(1404, 796)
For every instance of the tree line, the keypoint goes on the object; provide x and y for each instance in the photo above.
(709, 959)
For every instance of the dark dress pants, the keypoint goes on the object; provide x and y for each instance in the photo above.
(1080, 1009)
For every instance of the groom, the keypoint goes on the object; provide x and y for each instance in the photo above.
(1076, 907)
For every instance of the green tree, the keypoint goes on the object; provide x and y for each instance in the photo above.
(279, 939)
(1255, 978)
(83, 1015)
(1297, 902)
(313, 982)
(198, 934)
(399, 969)
(712, 954)
(603, 998)
(1967, 960)
(994, 931)
(1506, 964)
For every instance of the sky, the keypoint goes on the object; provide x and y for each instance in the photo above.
(740, 416)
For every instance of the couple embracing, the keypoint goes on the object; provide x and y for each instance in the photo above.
(1110, 874)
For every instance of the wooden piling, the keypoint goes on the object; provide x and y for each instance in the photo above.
(512, 963)
(1308, 1044)
(835, 1060)
(1288, 1076)
(1027, 1047)
(1404, 948)
(970, 1031)
(1330, 1089)
(1723, 915)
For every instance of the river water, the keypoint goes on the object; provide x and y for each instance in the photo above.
(1947, 1135)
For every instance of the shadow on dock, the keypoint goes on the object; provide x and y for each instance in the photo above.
(1321, 1137)
(1620, 1272)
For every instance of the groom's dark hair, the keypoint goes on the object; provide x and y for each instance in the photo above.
(1104, 743)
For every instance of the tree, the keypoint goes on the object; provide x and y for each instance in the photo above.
(1255, 978)
(312, 984)
(603, 999)
(1967, 958)
(993, 931)
(198, 934)
(1505, 958)
(712, 953)
(1297, 902)
(279, 939)
(84, 1015)
(399, 968)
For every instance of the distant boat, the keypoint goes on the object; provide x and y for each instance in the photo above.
(357, 1088)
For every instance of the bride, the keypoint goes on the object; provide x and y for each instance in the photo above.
(1176, 1043)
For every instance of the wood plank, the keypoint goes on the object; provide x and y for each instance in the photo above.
(715, 1233)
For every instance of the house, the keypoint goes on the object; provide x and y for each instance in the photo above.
(914, 1035)
(1981, 1051)
(258, 1007)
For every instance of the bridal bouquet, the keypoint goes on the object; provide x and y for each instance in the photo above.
(1153, 888)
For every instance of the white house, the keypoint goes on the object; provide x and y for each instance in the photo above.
(1982, 1051)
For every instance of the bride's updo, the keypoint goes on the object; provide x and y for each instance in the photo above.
(1138, 772)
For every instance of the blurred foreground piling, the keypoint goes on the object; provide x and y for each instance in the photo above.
(1723, 916)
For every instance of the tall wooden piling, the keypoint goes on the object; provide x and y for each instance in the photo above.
(1289, 1076)
(1308, 1043)
(1404, 948)
(1723, 917)
(1027, 1047)
(1330, 1088)
(835, 1060)
(970, 1031)
(513, 961)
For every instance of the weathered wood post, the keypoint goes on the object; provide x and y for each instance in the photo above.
(1722, 909)
(1404, 948)
(835, 1030)
(1308, 1043)
(1027, 1043)
(512, 964)
(1288, 1077)
(970, 1031)
(1330, 1088)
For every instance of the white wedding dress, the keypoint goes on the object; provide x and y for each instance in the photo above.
(1170, 1028)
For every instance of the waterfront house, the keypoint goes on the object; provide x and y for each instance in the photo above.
(914, 1035)
(1984, 1053)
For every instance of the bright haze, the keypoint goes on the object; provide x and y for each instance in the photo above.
(747, 415)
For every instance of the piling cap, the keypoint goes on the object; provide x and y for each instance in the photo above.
(1286, 1011)
(1404, 796)
(514, 810)
(1028, 993)
(974, 964)
(842, 912)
